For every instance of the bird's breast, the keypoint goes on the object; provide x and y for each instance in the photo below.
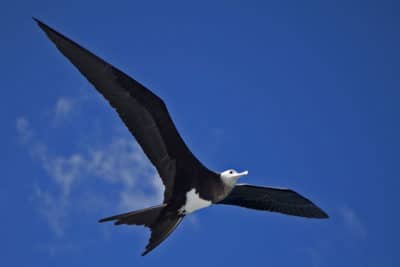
(193, 202)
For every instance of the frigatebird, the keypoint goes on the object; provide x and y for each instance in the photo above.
(189, 185)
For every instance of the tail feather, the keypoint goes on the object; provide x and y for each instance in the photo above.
(161, 223)
(161, 230)
(139, 217)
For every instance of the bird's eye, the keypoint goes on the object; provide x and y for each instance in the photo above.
(231, 172)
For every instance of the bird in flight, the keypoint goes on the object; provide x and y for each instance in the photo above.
(189, 185)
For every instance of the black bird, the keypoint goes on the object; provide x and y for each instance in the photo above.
(189, 185)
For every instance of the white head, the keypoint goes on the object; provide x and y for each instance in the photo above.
(229, 177)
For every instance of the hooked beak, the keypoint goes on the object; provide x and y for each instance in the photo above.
(240, 174)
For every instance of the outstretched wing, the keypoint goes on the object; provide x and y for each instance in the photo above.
(143, 112)
(273, 199)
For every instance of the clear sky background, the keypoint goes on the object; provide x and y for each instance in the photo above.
(303, 94)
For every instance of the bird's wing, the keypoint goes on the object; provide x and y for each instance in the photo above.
(143, 112)
(273, 199)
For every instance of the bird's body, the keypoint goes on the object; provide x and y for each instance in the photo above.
(189, 185)
(194, 202)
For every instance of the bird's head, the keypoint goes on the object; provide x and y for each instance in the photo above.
(230, 176)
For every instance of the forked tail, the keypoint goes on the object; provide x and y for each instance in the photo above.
(161, 224)
(144, 217)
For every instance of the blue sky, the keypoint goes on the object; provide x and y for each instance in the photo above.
(303, 95)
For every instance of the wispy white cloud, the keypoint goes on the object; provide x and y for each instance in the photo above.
(63, 107)
(121, 164)
(53, 209)
(353, 222)
(23, 129)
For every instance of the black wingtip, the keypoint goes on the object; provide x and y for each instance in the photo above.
(320, 214)
(144, 253)
(324, 215)
(38, 21)
(42, 25)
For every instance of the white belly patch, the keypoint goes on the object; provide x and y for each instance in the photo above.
(194, 202)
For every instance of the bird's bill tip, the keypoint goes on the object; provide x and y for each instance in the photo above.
(244, 173)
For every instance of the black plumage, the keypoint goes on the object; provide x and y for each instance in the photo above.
(147, 118)
(273, 199)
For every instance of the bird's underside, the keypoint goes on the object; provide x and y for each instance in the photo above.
(189, 185)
